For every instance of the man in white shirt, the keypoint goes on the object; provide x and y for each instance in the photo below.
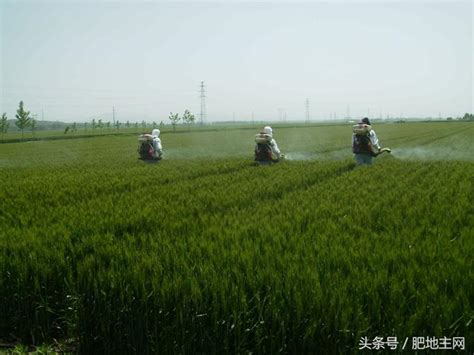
(158, 149)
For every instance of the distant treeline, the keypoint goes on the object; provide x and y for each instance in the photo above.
(40, 125)
(59, 125)
(25, 121)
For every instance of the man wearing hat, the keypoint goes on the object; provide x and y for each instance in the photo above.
(266, 150)
(365, 144)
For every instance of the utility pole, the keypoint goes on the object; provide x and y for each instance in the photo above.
(307, 111)
(253, 118)
(203, 103)
(113, 115)
(42, 115)
(280, 114)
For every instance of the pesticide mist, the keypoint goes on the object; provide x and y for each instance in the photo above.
(301, 156)
(338, 154)
(432, 153)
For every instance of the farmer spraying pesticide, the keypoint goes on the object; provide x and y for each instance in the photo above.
(266, 148)
(149, 146)
(365, 144)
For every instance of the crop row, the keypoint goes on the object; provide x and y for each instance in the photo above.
(232, 257)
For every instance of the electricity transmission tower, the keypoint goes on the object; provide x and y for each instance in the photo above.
(203, 103)
(281, 112)
(307, 110)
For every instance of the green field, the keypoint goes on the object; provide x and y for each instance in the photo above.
(206, 253)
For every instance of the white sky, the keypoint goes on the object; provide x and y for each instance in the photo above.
(76, 59)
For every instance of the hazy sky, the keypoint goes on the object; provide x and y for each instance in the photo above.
(76, 59)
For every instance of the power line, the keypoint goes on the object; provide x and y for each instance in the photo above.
(119, 91)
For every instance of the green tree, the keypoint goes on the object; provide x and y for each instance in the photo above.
(4, 124)
(188, 118)
(127, 124)
(94, 124)
(66, 129)
(117, 124)
(468, 117)
(23, 119)
(143, 124)
(74, 127)
(174, 118)
(100, 124)
(107, 125)
(85, 126)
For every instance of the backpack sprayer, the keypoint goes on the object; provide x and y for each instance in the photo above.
(145, 137)
(363, 129)
(145, 147)
(263, 138)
